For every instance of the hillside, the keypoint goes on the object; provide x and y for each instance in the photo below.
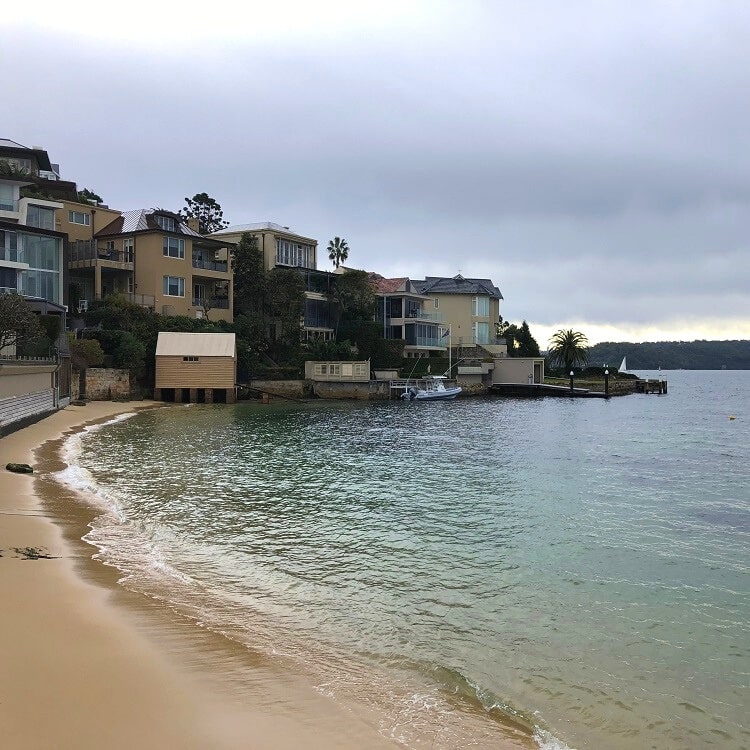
(674, 355)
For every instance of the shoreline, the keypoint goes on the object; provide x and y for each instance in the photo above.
(87, 663)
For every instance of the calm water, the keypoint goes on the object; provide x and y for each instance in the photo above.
(578, 565)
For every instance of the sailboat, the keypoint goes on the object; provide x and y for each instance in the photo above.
(623, 365)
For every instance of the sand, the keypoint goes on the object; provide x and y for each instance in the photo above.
(86, 664)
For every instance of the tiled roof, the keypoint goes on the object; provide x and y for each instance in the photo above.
(457, 285)
(387, 286)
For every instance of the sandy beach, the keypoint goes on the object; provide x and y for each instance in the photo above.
(87, 664)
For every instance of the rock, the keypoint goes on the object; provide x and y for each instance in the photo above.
(19, 468)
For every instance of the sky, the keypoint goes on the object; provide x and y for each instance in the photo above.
(591, 158)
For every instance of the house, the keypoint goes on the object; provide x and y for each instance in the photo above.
(284, 248)
(155, 258)
(407, 314)
(471, 307)
(196, 367)
(31, 249)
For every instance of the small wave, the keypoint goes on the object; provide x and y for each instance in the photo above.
(547, 741)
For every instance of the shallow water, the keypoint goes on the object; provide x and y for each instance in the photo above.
(577, 567)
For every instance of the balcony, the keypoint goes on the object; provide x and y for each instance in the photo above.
(9, 205)
(212, 303)
(86, 253)
(10, 290)
(142, 300)
(221, 266)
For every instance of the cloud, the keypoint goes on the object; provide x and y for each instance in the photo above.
(593, 159)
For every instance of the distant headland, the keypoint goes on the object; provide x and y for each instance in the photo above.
(674, 355)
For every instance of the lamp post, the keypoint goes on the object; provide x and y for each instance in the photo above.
(571, 382)
(606, 383)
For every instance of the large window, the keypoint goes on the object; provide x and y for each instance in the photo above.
(174, 286)
(128, 246)
(174, 247)
(9, 249)
(79, 217)
(41, 217)
(481, 333)
(167, 223)
(289, 253)
(8, 198)
(480, 307)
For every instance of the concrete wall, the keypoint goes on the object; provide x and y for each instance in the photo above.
(21, 379)
(456, 309)
(518, 370)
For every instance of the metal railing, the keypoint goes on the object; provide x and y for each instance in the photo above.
(220, 303)
(89, 250)
(142, 300)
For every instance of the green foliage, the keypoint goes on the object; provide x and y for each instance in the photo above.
(250, 282)
(367, 336)
(352, 297)
(333, 351)
(674, 355)
(89, 196)
(85, 353)
(338, 251)
(208, 212)
(122, 347)
(19, 324)
(519, 339)
(568, 349)
(286, 299)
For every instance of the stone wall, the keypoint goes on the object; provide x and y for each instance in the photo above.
(103, 384)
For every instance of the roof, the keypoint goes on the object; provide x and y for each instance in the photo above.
(42, 158)
(457, 285)
(195, 345)
(261, 226)
(400, 285)
(142, 220)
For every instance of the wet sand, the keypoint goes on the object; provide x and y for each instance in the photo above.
(87, 664)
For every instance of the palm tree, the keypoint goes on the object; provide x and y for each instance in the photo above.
(338, 251)
(568, 348)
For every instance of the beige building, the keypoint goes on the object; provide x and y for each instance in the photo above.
(196, 368)
(470, 309)
(154, 258)
(284, 248)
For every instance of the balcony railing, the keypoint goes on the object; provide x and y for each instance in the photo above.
(220, 303)
(429, 341)
(88, 250)
(6, 205)
(10, 290)
(142, 300)
(210, 265)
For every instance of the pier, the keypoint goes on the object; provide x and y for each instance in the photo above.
(620, 388)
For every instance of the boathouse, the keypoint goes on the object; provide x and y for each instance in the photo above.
(196, 368)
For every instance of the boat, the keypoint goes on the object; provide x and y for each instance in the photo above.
(623, 366)
(434, 390)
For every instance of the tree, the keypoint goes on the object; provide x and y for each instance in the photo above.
(568, 349)
(89, 196)
(84, 353)
(338, 251)
(19, 324)
(352, 297)
(208, 212)
(250, 282)
(527, 344)
(287, 303)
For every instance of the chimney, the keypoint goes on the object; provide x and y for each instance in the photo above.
(194, 224)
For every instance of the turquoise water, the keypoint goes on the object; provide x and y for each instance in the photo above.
(580, 566)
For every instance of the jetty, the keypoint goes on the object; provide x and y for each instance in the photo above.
(621, 388)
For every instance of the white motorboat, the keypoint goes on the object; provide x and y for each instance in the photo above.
(433, 390)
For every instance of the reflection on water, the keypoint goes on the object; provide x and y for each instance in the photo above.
(576, 565)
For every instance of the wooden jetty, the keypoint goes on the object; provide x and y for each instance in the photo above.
(533, 390)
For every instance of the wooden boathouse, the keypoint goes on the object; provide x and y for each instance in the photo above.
(196, 368)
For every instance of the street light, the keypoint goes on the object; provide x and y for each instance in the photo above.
(606, 383)
(571, 381)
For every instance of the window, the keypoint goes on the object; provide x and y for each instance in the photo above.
(9, 249)
(167, 223)
(41, 217)
(436, 303)
(8, 198)
(190, 359)
(174, 247)
(128, 245)
(79, 217)
(290, 253)
(481, 333)
(480, 307)
(174, 286)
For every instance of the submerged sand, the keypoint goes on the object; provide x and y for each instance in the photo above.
(88, 664)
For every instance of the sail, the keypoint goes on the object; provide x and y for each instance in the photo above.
(623, 365)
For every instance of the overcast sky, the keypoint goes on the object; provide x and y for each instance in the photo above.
(591, 158)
